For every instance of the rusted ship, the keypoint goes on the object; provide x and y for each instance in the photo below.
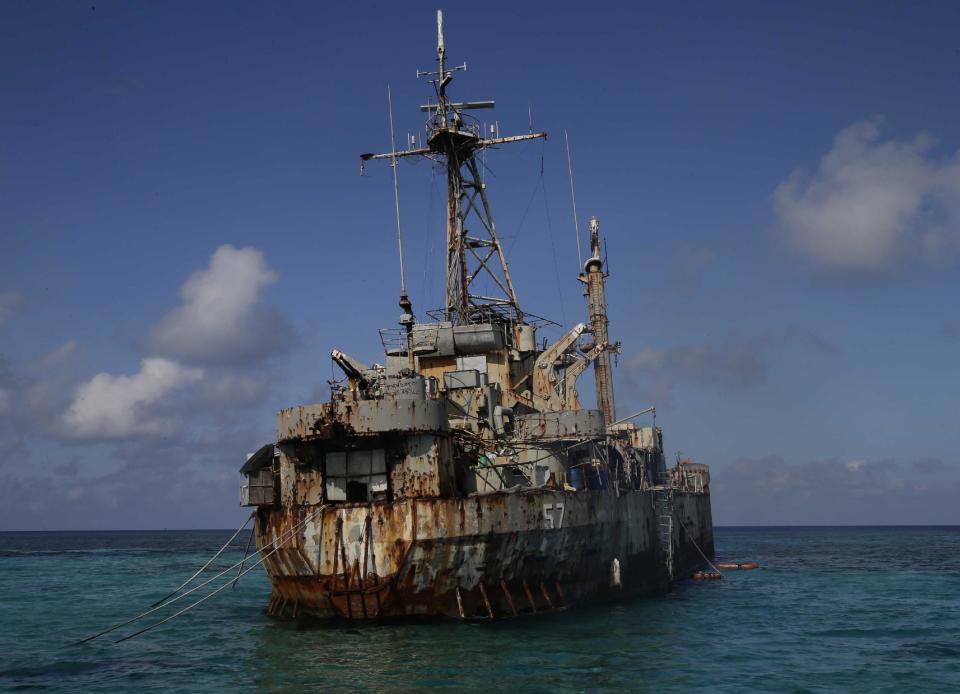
(462, 478)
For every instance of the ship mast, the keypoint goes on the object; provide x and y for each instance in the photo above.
(594, 276)
(473, 247)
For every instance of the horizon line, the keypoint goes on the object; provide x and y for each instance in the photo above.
(726, 526)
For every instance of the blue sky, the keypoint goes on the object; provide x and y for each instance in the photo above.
(186, 235)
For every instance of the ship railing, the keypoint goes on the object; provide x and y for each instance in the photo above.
(495, 313)
(394, 340)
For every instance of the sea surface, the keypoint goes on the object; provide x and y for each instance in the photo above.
(831, 609)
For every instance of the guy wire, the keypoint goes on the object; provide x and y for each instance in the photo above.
(396, 189)
(573, 198)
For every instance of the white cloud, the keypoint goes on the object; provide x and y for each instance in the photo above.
(6, 400)
(734, 363)
(202, 349)
(7, 382)
(115, 407)
(854, 465)
(686, 266)
(771, 491)
(722, 364)
(872, 203)
(219, 320)
(232, 387)
(41, 389)
(57, 356)
(9, 303)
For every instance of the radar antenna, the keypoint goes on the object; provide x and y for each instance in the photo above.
(473, 247)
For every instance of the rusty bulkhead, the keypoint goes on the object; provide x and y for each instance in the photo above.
(462, 478)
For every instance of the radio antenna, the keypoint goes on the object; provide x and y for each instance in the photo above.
(406, 318)
(573, 198)
(396, 192)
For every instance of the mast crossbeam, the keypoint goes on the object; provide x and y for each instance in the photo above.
(467, 204)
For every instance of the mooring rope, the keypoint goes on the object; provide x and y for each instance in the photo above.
(246, 553)
(209, 561)
(712, 565)
(207, 597)
(285, 536)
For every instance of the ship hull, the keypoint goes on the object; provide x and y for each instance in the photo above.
(491, 556)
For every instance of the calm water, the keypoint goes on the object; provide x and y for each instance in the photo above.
(873, 609)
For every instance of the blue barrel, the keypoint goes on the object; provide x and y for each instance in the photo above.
(575, 478)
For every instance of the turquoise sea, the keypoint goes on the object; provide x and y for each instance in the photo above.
(832, 609)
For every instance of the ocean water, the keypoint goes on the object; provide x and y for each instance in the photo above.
(831, 609)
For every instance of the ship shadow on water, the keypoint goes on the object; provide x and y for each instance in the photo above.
(470, 655)
(525, 618)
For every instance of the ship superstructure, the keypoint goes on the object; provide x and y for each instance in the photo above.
(462, 477)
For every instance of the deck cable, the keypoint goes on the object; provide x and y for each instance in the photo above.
(284, 537)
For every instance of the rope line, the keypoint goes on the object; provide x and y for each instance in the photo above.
(712, 565)
(207, 597)
(209, 561)
(286, 536)
(573, 200)
(246, 553)
(553, 245)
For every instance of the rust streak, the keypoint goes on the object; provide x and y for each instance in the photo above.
(526, 589)
(546, 595)
(343, 558)
(506, 594)
(563, 599)
(486, 600)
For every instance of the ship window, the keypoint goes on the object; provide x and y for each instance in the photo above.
(356, 476)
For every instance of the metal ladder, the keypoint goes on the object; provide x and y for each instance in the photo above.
(663, 511)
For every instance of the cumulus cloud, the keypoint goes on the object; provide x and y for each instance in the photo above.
(220, 320)
(34, 394)
(56, 357)
(9, 303)
(44, 389)
(202, 352)
(934, 466)
(688, 263)
(8, 382)
(737, 363)
(117, 407)
(149, 484)
(771, 491)
(733, 363)
(6, 401)
(872, 204)
(232, 387)
(170, 443)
